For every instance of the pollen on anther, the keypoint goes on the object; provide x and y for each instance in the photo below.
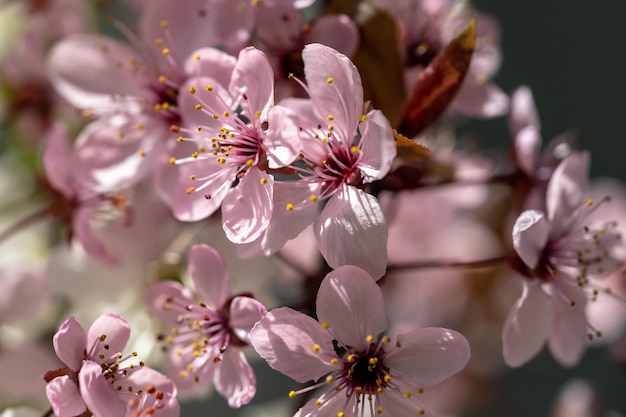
(329, 379)
(196, 57)
(192, 177)
(164, 24)
(369, 338)
(313, 198)
(329, 80)
(334, 361)
(257, 114)
(172, 160)
(263, 181)
(292, 394)
(192, 90)
(198, 106)
(142, 153)
(316, 347)
(190, 190)
(363, 118)
(331, 117)
(354, 149)
(289, 207)
(379, 410)
(165, 51)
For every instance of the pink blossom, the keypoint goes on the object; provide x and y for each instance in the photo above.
(100, 379)
(234, 150)
(561, 254)
(133, 89)
(343, 149)
(362, 371)
(206, 339)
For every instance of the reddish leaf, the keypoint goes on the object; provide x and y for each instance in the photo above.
(439, 82)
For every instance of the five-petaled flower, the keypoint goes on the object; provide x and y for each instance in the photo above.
(561, 254)
(206, 338)
(343, 351)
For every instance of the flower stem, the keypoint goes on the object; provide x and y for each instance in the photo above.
(483, 263)
(23, 223)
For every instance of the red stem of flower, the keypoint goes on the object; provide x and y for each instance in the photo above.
(483, 263)
(22, 224)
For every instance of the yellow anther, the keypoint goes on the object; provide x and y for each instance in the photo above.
(421, 412)
(325, 325)
(589, 202)
(340, 414)
(354, 149)
(192, 90)
(196, 57)
(172, 160)
(407, 394)
(318, 402)
(225, 113)
(420, 390)
(192, 177)
(331, 127)
(289, 207)
(387, 378)
(209, 88)
(182, 374)
(369, 338)
(249, 162)
(351, 358)
(334, 361)
(292, 394)
(161, 78)
(194, 155)
(257, 114)
(290, 76)
(120, 135)
(198, 106)
(363, 118)
(190, 367)
(165, 106)
(165, 51)
(254, 3)
(139, 126)
(221, 160)
(142, 153)
(180, 139)
(190, 190)
(313, 198)
(158, 42)
(86, 113)
(372, 361)
(263, 181)
(316, 347)
(331, 117)
(379, 410)
(386, 339)
(329, 379)
(164, 24)
(329, 80)
(157, 107)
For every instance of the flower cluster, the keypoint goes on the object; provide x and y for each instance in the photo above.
(284, 182)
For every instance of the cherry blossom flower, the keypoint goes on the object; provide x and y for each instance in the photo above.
(100, 379)
(343, 351)
(343, 149)
(133, 89)
(561, 254)
(229, 167)
(206, 339)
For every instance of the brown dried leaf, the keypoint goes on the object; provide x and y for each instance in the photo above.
(439, 82)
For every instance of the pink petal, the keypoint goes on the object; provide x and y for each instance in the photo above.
(245, 312)
(568, 335)
(335, 31)
(70, 342)
(331, 408)
(114, 328)
(378, 146)
(527, 325)
(108, 153)
(481, 100)
(282, 138)
(280, 26)
(343, 97)
(567, 189)
(99, 396)
(84, 233)
(211, 62)
(84, 69)
(156, 297)
(523, 111)
(285, 339)
(428, 356)
(234, 378)
(352, 304)
(253, 76)
(192, 24)
(527, 146)
(64, 397)
(194, 206)
(208, 271)
(55, 159)
(142, 377)
(247, 208)
(530, 236)
(351, 230)
(395, 405)
(214, 101)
